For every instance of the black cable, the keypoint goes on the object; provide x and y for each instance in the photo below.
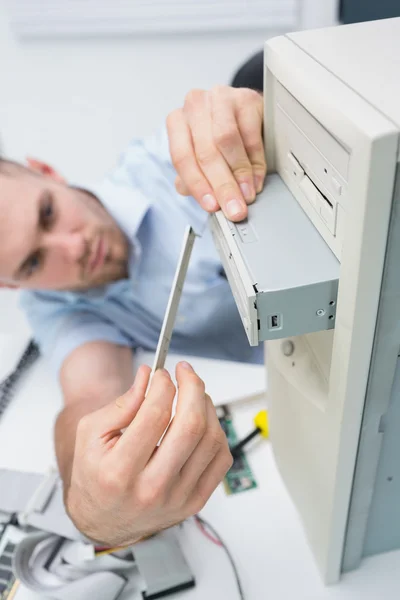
(229, 555)
(8, 386)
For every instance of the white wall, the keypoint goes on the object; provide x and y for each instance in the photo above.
(76, 103)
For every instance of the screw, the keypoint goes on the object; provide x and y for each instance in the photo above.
(320, 312)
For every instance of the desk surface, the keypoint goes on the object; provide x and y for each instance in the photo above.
(260, 527)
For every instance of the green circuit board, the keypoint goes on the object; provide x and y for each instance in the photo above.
(240, 477)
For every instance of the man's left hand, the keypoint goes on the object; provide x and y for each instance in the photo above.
(217, 148)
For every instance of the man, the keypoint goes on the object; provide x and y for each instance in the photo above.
(97, 263)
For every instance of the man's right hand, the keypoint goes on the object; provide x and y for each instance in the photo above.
(123, 486)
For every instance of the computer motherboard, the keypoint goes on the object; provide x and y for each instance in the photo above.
(240, 477)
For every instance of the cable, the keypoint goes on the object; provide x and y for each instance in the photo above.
(99, 553)
(14, 590)
(8, 386)
(217, 537)
(103, 551)
(205, 532)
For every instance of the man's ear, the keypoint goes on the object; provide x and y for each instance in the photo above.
(44, 169)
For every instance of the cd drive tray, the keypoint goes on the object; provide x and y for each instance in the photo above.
(283, 275)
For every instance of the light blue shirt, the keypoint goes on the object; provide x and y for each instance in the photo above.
(140, 195)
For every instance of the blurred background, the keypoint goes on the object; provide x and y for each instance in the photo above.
(80, 78)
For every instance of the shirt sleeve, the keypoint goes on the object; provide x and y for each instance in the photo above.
(59, 328)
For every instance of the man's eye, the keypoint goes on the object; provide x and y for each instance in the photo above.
(33, 264)
(47, 212)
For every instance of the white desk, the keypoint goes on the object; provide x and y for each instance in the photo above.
(260, 527)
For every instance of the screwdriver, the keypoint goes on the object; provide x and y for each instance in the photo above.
(261, 428)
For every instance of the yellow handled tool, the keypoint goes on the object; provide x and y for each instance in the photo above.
(262, 428)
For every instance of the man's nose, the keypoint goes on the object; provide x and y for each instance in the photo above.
(71, 245)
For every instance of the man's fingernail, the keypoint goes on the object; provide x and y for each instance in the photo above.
(234, 209)
(209, 202)
(164, 372)
(247, 192)
(186, 365)
(258, 183)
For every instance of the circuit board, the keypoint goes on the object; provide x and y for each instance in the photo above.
(240, 477)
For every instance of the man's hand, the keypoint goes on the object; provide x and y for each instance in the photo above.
(123, 486)
(217, 148)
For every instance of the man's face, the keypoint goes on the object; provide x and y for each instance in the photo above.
(56, 237)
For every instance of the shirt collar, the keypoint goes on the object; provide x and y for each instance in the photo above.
(125, 203)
